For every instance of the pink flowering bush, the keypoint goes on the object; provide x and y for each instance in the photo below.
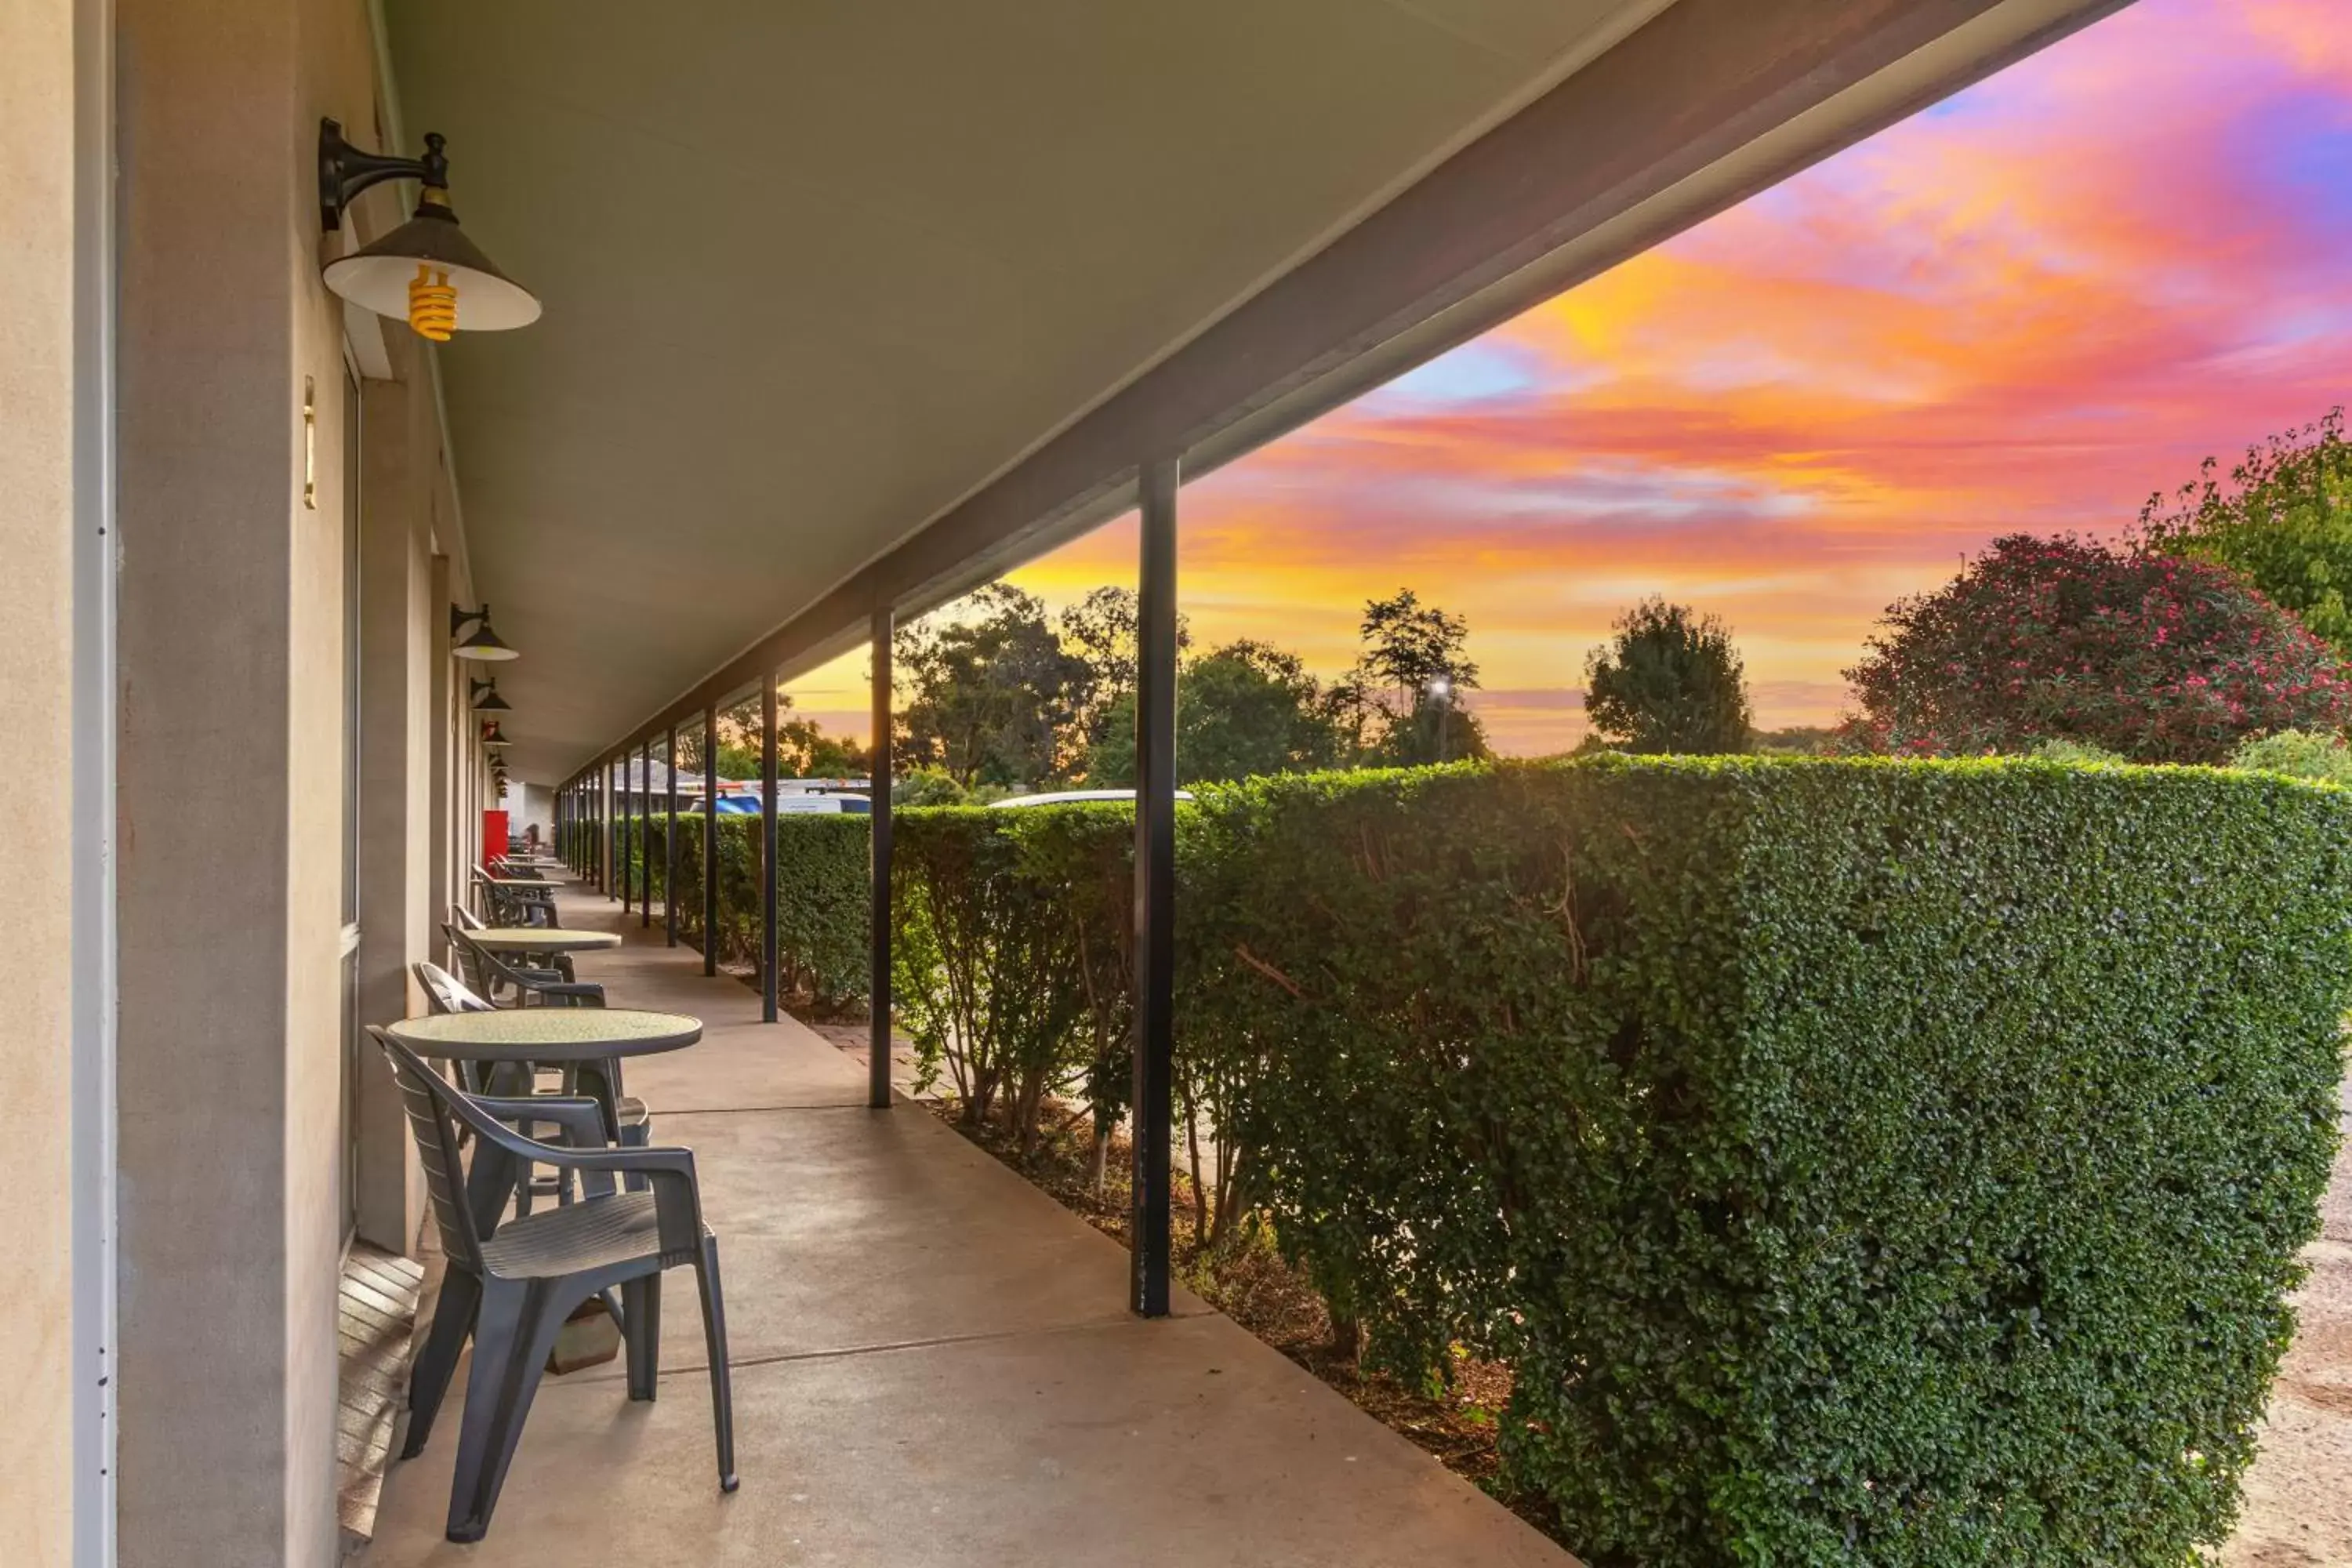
(2160, 659)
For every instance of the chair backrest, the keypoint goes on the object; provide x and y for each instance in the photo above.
(472, 962)
(445, 992)
(485, 971)
(466, 920)
(425, 1095)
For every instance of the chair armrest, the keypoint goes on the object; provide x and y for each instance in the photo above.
(677, 1195)
(582, 1120)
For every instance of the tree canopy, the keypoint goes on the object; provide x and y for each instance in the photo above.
(2283, 518)
(1669, 680)
(1243, 710)
(990, 694)
(2153, 657)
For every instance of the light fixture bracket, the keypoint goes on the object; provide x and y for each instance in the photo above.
(344, 171)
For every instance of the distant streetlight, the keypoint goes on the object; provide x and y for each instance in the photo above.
(1443, 691)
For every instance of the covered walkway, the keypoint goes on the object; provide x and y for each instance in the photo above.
(934, 1364)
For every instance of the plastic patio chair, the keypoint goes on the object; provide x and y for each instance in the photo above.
(510, 906)
(511, 1290)
(489, 974)
(465, 918)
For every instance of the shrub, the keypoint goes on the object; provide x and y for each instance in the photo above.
(2080, 753)
(1858, 1161)
(927, 786)
(823, 931)
(2299, 755)
(2284, 519)
(985, 963)
(2156, 657)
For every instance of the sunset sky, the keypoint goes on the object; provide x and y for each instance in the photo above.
(2025, 309)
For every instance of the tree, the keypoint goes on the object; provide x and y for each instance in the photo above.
(1245, 711)
(990, 694)
(738, 738)
(1352, 708)
(2153, 657)
(802, 748)
(1436, 729)
(1668, 682)
(1101, 629)
(2284, 519)
(1409, 684)
(1408, 646)
(804, 751)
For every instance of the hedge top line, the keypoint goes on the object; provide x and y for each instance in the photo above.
(1725, 769)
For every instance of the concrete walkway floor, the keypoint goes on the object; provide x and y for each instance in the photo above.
(934, 1365)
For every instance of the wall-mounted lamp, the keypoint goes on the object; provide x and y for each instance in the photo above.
(491, 736)
(482, 642)
(426, 271)
(487, 698)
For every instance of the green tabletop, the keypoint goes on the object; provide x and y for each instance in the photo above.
(547, 1034)
(542, 939)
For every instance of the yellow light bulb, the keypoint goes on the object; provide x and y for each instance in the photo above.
(432, 304)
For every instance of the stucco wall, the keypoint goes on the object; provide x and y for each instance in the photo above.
(230, 779)
(533, 806)
(37, 260)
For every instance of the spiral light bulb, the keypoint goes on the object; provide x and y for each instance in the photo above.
(432, 303)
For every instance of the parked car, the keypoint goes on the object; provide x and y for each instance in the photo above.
(798, 806)
(1065, 796)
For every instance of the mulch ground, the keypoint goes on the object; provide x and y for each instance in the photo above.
(1248, 1280)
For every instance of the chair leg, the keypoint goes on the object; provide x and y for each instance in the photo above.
(640, 1332)
(513, 1337)
(714, 1335)
(436, 1361)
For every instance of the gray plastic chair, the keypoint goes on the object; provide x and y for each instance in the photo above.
(511, 1290)
(465, 918)
(488, 974)
(512, 906)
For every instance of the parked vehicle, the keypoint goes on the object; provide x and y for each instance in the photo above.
(1065, 796)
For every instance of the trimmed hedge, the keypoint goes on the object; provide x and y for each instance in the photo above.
(1859, 1162)
(823, 937)
(1010, 955)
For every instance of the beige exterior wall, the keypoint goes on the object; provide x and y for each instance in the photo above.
(232, 736)
(36, 414)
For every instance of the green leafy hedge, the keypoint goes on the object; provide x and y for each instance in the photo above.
(1010, 956)
(1859, 1162)
(823, 935)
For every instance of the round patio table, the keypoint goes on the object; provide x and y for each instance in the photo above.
(591, 1041)
(546, 1034)
(506, 940)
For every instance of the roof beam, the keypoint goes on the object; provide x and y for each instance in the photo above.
(1708, 103)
